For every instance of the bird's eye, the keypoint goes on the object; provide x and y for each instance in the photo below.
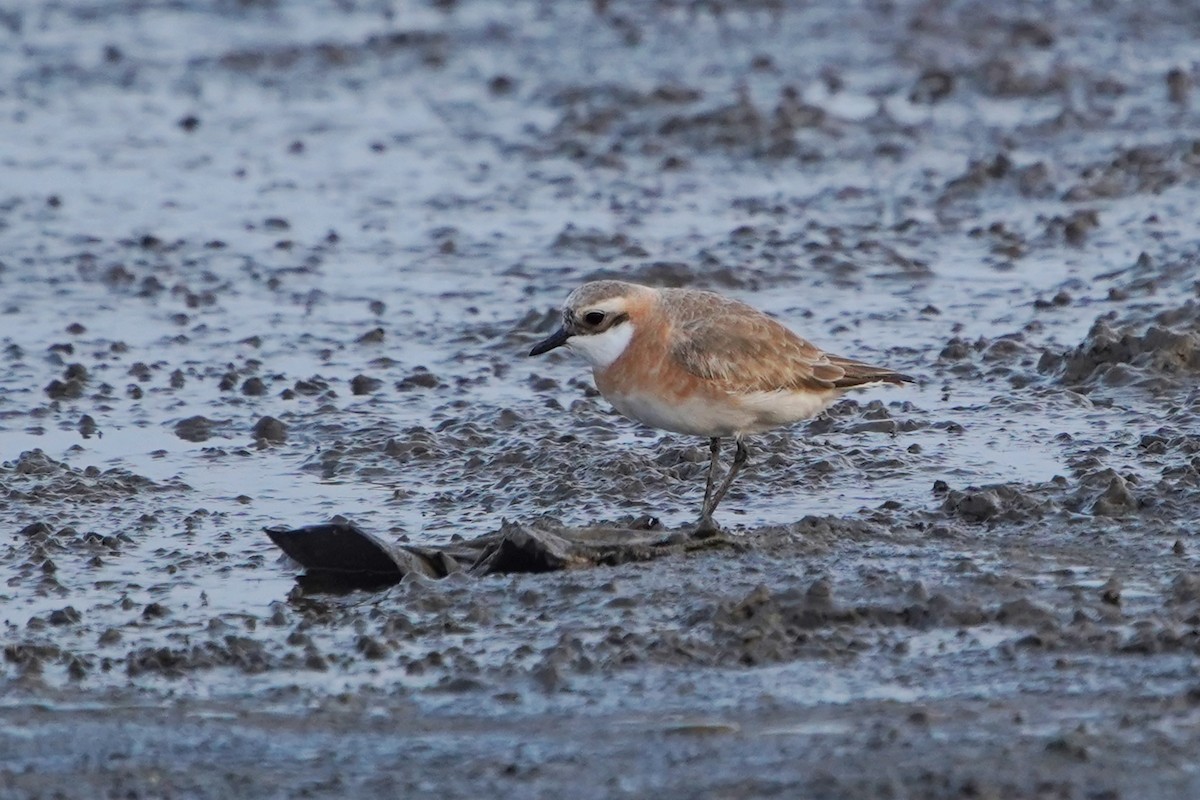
(593, 317)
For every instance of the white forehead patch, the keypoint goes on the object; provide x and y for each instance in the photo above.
(602, 349)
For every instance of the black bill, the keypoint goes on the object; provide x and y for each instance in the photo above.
(556, 339)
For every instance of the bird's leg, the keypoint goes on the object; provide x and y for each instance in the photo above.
(739, 459)
(706, 524)
(714, 452)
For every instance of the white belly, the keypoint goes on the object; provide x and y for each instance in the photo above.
(772, 409)
(741, 414)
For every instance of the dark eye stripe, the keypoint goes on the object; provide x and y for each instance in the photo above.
(575, 321)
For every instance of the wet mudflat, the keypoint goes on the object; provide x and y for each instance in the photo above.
(271, 264)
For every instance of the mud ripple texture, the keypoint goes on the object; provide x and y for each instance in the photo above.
(272, 263)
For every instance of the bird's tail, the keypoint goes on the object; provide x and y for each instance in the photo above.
(860, 374)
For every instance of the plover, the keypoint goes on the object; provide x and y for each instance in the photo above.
(697, 363)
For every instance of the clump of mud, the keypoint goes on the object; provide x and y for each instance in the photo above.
(35, 478)
(1162, 357)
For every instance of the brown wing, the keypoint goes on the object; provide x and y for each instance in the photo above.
(743, 350)
(856, 373)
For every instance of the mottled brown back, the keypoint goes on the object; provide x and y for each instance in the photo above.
(743, 350)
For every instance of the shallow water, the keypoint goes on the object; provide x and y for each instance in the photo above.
(244, 210)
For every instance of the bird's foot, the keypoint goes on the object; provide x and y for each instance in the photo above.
(706, 528)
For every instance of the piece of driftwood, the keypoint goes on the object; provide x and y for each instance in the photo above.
(343, 554)
(345, 548)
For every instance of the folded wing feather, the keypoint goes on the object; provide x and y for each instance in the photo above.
(743, 350)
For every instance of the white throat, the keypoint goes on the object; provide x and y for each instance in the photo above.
(602, 349)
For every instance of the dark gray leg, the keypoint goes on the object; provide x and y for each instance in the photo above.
(706, 525)
(739, 459)
(712, 499)
(714, 452)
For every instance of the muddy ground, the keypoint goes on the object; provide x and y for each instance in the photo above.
(275, 263)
